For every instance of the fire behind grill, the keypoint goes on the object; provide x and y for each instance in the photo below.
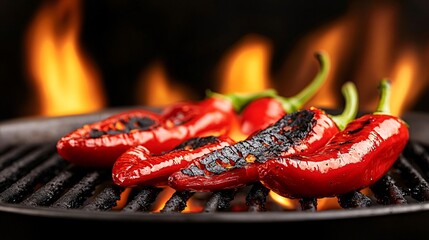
(38, 186)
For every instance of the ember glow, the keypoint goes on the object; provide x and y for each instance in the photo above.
(294, 204)
(162, 198)
(123, 199)
(165, 195)
(286, 203)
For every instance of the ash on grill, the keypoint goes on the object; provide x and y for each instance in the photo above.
(34, 175)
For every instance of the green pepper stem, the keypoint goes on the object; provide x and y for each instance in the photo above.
(383, 106)
(349, 92)
(294, 103)
(239, 100)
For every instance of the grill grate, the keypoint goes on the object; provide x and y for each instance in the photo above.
(36, 176)
(39, 192)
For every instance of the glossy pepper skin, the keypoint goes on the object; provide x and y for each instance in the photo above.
(237, 165)
(259, 114)
(99, 144)
(353, 159)
(138, 167)
(262, 112)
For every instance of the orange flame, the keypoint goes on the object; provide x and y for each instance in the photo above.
(166, 194)
(378, 52)
(299, 68)
(378, 56)
(245, 67)
(162, 198)
(327, 203)
(122, 199)
(286, 203)
(65, 80)
(294, 204)
(155, 88)
(405, 80)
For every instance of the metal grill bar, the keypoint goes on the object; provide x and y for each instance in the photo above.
(24, 186)
(354, 199)
(22, 166)
(76, 196)
(416, 151)
(12, 153)
(419, 186)
(177, 202)
(387, 192)
(220, 200)
(308, 204)
(106, 200)
(51, 191)
(257, 198)
(143, 200)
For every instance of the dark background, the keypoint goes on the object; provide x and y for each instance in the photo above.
(190, 36)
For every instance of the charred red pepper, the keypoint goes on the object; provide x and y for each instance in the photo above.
(99, 144)
(138, 167)
(237, 165)
(354, 159)
(262, 112)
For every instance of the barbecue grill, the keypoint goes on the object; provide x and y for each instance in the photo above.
(38, 188)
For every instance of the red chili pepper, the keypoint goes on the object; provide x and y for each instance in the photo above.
(353, 159)
(138, 167)
(99, 144)
(237, 165)
(262, 112)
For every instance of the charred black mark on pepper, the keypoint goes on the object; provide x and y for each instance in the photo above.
(360, 128)
(354, 131)
(346, 142)
(267, 143)
(133, 123)
(197, 142)
(193, 170)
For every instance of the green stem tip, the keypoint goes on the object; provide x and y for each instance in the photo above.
(383, 106)
(240, 100)
(350, 111)
(292, 104)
